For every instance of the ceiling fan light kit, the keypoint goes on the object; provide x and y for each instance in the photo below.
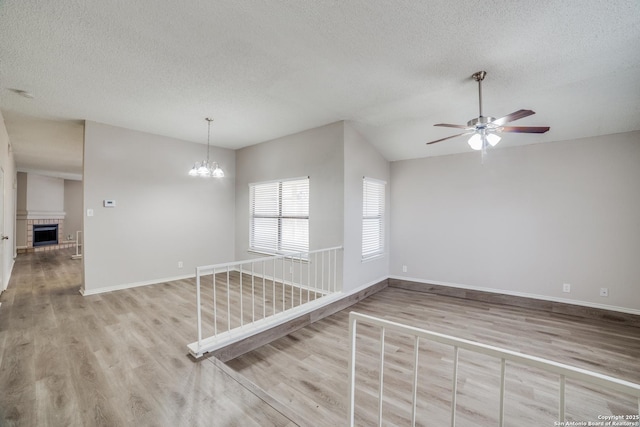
(484, 130)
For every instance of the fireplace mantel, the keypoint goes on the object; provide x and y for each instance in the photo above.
(40, 214)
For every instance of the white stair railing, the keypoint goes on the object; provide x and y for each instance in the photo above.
(236, 300)
(563, 371)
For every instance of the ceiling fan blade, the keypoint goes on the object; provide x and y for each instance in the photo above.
(525, 129)
(449, 137)
(516, 115)
(449, 125)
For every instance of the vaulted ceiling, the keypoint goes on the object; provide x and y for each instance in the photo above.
(265, 69)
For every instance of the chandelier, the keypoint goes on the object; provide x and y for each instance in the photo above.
(206, 167)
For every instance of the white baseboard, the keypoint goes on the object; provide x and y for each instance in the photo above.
(522, 294)
(87, 292)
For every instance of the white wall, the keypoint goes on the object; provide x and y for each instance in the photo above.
(526, 221)
(72, 207)
(162, 215)
(8, 165)
(361, 159)
(317, 153)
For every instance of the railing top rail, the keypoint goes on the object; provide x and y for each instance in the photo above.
(532, 361)
(293, 255)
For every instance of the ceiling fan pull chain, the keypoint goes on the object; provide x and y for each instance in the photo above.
(484, 150)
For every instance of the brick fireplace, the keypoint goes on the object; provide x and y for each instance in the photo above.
(62, 241)
(40, 205)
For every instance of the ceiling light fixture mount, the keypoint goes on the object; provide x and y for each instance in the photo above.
(207, 168)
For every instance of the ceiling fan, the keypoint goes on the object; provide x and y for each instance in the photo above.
(485, 131)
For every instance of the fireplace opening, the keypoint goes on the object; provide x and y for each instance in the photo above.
(45, 234)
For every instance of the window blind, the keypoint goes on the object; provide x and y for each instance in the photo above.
(279, 216)
(373, 197)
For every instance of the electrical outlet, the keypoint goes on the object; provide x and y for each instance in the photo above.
(566, 287)
(180, 264)
(604, 292)
(404, 268)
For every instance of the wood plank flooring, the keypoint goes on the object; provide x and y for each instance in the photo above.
(308, 368)
(120, 359)
(115, 359)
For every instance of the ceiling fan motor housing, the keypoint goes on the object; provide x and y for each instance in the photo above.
(480, 122)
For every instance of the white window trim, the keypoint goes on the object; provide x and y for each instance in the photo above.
(382, 219)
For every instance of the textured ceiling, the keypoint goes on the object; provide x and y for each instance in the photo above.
(264, 69)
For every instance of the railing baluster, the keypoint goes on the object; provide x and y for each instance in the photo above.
(300, 284)
(503, 367)
(308, 278)
(241, 306)
(228, 302)
(291, 282)
(315, 278)
(329, 272)
(414, 397)
(284, 290)
(561, 408)
(352, 371)
(335, 270)
(264, 291)
(273, 280)
(381, 389)
(322, 274)
(253, 294)
(199, 309)
(454, 386)
(215, 306)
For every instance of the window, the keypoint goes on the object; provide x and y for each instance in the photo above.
(372, 217)
(279, 216)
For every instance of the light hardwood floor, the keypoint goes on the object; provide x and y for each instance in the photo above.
(115, 359)
(120, 359)
(308, 368)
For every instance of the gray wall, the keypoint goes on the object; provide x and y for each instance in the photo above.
(21, 197)
(361, 159)
(317, 153)
(526, 221)
(21, 210)
(72, 207)
(162, 215)
(45, 193)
